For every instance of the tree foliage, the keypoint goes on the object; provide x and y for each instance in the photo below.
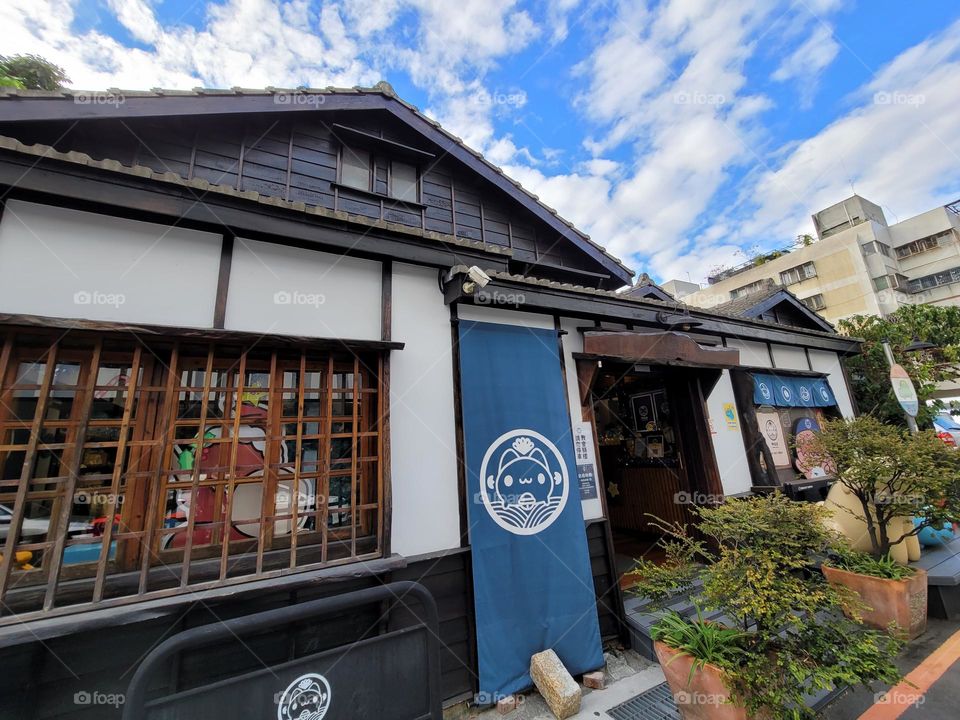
(791, 637)
(32, 72)
(893, 474)
(870, 373)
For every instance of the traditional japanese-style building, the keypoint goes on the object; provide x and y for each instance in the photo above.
(260, 347)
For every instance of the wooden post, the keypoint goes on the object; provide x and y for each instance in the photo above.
(753, 441)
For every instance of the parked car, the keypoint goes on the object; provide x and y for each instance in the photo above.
(947, 428)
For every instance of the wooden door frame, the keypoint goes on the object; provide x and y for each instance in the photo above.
(700, 461)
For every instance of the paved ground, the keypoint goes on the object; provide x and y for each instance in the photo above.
(936, 651)
(628, 675)
(932, 663)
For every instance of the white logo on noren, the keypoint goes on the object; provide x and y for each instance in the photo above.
(524, 482)
(306, 698)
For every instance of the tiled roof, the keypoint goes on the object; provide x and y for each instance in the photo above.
(674, 306)
(642, 287)
(742, 304)
(382, 88)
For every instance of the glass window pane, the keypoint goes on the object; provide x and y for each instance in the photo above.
(356, 168)
(403, 181)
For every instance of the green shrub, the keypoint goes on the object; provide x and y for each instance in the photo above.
(756, 559)
(893, 474)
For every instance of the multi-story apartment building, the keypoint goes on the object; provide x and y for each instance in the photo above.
(858, 264)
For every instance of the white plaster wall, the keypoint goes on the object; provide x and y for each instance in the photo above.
(789, 358)
(66, 263)
(752, 354)
(426, 501)
(503, 316)
(296, 291)
(573, 343)
(828, 362)
(728, 441)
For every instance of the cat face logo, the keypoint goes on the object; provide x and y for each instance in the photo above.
(306, 698)
(524, 482)
(764, 391)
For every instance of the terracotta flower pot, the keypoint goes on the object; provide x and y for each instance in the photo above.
(903, 602)
(703, 696)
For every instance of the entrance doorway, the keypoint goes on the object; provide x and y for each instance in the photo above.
(655, 451)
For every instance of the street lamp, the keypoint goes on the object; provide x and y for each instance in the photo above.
(917, 345)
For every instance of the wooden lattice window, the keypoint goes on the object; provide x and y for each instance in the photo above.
(126, 463)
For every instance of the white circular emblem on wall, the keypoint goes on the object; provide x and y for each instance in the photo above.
(524, 482)
(306, 698)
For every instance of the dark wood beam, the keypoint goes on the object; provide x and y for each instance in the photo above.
(587, 369)
(36, 110)
(376, 143)
(462, 490)
(223, 281)
(551, 300)
(200, 334)
(137, 198)
(386, 334)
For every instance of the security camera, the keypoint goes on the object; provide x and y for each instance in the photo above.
(478, 276)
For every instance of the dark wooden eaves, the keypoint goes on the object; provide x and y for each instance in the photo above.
(40, 107)
(548, 297)
(784, 296)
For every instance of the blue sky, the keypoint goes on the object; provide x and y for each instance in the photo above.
(681, 134)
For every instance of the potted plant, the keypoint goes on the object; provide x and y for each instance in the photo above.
(782, 636)
(899, 484)
(694, 655)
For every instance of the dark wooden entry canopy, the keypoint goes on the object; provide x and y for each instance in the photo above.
(657, 348)
(648, 348)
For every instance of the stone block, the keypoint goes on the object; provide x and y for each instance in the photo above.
(555, 684)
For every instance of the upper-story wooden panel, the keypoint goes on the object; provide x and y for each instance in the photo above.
(299, 158)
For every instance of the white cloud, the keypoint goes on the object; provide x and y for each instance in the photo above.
(137, 17)
(669, 112)
(808, 61)
(667, 84)
(900, 146)
(245, 42)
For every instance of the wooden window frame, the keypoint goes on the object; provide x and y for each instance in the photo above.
(388, 162)
(163, 409)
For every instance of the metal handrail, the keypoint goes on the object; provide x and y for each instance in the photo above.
(135, 702)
